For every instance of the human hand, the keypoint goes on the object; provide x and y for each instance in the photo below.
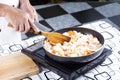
(19, 19)
(27, 7)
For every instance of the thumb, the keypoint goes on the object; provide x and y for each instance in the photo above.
(33, 26)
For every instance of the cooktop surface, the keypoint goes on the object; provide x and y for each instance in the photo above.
(68, 71)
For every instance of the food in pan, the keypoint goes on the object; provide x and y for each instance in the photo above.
(79, 45)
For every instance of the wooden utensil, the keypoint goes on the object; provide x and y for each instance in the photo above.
(55, 37)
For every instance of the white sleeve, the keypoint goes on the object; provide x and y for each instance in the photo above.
(14, 3)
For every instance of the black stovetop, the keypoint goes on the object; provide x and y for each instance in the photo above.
(68, 71)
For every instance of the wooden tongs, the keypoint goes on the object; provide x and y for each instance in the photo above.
(55, 37)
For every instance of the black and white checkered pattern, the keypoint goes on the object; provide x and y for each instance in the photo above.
(57, 16)
(103, 17)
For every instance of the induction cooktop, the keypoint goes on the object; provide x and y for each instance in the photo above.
(69, 71)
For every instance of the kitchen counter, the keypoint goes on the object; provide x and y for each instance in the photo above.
(103, 17)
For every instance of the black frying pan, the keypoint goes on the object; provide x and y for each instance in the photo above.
(83, 58)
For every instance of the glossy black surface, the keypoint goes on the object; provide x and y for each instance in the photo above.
(69, 71)
(87, 15)
(51, 11)
(46, 24)
(96, 4)
(116, 20)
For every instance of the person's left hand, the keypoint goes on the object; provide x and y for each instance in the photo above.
(27, 7)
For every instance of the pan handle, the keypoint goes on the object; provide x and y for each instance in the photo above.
(41, 27)
(31, 30)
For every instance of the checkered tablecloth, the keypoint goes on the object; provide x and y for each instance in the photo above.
(103, 17)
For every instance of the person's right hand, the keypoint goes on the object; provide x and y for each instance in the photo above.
(20, 20)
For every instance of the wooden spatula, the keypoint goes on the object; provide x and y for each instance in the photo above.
(55, 37)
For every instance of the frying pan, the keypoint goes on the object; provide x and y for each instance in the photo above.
(79, 59)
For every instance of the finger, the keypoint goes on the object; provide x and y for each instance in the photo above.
(31, 15)
(35, 16)
(33, 26)
(27, 27)
(16, 28)
(21, 28)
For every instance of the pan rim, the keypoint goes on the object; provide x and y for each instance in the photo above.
(79, 56)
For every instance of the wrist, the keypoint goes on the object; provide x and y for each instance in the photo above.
(22, 2)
